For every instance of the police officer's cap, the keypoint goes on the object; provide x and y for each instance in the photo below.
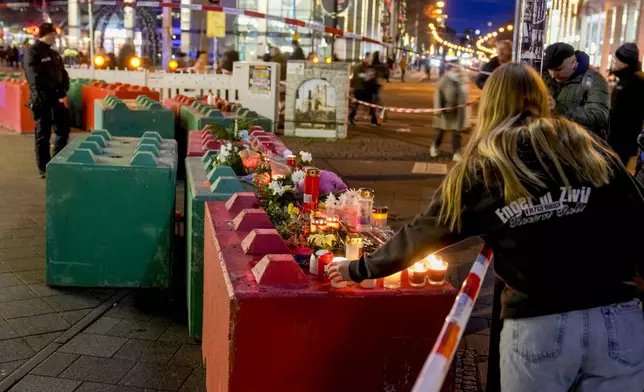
(46, 29)
(556, 54)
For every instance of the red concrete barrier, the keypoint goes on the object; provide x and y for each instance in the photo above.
(176, 102)
(201, 141)
(100, 90)
(16, 116)
(270, 327)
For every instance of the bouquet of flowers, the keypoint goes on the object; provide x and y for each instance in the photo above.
(228, 155)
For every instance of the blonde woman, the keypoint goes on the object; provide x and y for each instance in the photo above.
(551, 202)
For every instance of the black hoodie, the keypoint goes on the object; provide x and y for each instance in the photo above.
(565, 249)
(626, 114)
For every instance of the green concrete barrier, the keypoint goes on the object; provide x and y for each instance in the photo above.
(133, 117)
(219, 184)
(110, 212)
(75, 100)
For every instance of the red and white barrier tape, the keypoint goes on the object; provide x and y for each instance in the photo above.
(226, 10)
(436, 367)
(410, 110)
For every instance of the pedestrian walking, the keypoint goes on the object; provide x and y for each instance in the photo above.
(126, 53)
(503, 56)
(626, 114)
(390, 68)
(403, 68)
(48, 85)
(526, 179)
(452, 91)
(363, 76)
(577, 91)
(298, 53)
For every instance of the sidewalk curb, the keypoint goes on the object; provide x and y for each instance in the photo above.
(52, 347)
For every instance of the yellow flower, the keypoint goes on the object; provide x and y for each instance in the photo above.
(292, 210)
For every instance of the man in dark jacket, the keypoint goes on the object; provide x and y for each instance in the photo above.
(298, 53)
(626, 114)
(577, 91)
(503, 56)
(48, 85)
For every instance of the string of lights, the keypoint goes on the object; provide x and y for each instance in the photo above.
(448, 44)
(490, 36)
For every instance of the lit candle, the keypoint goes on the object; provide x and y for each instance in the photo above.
(417, 274)
(353, 247)
(291, 160)
(338, 285)
(318, 224)
(325, 258)
(392, 282)
(365, 207)
(311, 188)
(333, 223)
(379, 216)
(436, 270)
(278, 177)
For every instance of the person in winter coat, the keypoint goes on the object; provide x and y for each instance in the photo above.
(362, 81)
(626, 112)
(535, 189)
(48, 85)
(126, 53)
(403, 68)
(298, 53)
(577, 91)
(452, 90)
(503, 56)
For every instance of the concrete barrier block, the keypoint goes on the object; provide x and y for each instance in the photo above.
(263, 241)
(250, 219)
(241, 201)
(279, 271)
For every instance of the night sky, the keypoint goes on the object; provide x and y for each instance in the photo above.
(463, 14)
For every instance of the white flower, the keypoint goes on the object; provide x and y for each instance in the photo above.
(286, 153)
(221, 158)
(297, 176)
(331, 200)
(343, 200)
(276, 188)
(306, 156)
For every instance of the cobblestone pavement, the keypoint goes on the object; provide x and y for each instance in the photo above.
(83, 340)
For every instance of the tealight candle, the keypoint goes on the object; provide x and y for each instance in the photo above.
(392, 282)
(333, 223)
(417, 274)
(318, 223)
(379, 216)
(337, 285)
(436, 270)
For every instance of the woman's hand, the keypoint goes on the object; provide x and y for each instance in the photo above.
(339, 271)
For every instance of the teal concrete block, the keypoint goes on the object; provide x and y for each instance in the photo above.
(75, 100)
(258, 119)
(197, 193)
(133, 117)
(197, 116)
(110, 215)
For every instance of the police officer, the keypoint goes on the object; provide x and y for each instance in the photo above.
(48, 85)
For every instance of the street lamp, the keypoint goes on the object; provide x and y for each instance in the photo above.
(510, 27)
(494, 34)
(501, 30)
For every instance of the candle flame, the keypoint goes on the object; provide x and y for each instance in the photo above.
(419, 267)
(436, 263)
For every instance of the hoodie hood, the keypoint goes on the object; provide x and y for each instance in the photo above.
(583, 62)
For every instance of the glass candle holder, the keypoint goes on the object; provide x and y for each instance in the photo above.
(379, 217)
(318, 223)
(392, 282)
(417, 274)
(333, 222)
(436, 270)
(368, 283)
(324, 258)
(291, 160)
(353, 246)
(365, 207)
(338, 285)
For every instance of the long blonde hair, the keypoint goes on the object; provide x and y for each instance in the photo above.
(515, 92)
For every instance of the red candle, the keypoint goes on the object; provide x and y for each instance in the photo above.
(311, 188)
(323, 265)
(291, 160)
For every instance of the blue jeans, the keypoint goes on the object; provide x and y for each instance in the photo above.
(597, 350)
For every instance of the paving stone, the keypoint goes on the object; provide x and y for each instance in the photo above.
(16, 293)
(103, 370)
(42, 290)
(67, 302)
(14, 349)
(41, 250)
(476, 324)
(6, 331)
(102, 294)
(95, 345)
(33, 276)
(129, 312)
(95, 387)
(8, 280)
(188, 355)
(17, 265)
(24, 223)
(17, 253)
(102, 325)
(38, 342)
(177, 333)
(136, 329)
(149, 351)
(24, 308)
(36, 325)
(75, 316)
(54, 364)
(482, 373)
(31, 232)
(151, 375)
(6, 368)
(33, 383)
(196, 382)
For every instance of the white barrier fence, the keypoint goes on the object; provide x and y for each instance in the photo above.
(243, 86)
